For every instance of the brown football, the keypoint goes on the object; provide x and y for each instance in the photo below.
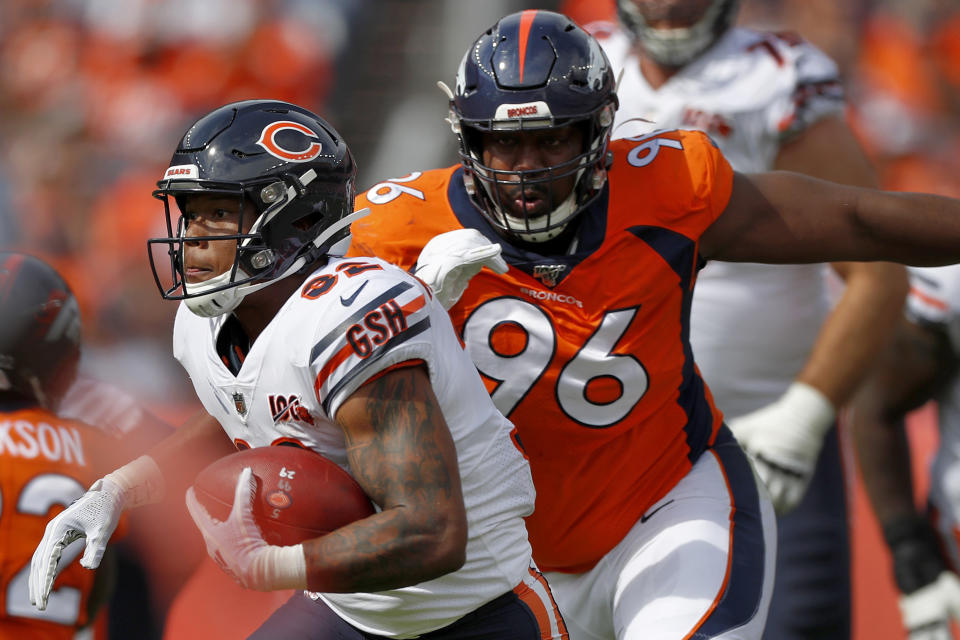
(300, 494)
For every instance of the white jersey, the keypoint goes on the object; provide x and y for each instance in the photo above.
(350, 320)
(752, 326)
(935, 300)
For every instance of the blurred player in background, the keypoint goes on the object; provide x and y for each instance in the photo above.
(922, 363)
(779, 361)
(259, 197)
(46, 461)
(50, 409)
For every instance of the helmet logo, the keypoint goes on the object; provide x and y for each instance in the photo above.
(268, 140)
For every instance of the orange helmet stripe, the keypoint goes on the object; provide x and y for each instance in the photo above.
(526, 22)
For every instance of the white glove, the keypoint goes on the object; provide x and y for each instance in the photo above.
(449, 260)
(93, 516)
(238, 547)
(927, 611)
(784, 439)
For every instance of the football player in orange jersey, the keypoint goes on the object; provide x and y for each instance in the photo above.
(45, 461)
(59, 432)
(649, 519)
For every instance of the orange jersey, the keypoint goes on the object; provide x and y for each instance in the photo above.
(45, 464)
(587, 354)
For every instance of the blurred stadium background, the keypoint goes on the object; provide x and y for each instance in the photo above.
(94, 94)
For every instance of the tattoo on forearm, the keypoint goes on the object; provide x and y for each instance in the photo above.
(407, 465)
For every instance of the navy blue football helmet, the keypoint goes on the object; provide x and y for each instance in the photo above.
(534, 70)
(678, 46)
(40, 330)
(295, 169)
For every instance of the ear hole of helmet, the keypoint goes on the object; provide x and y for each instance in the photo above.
(303, 220)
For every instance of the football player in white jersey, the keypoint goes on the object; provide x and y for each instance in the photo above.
(365, 362)
(921, 363)
(779, 362)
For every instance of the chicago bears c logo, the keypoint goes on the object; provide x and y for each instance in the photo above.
(268, 140)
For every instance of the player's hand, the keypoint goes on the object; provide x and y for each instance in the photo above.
(930, 593)
(93, 516)
(238, 547)
(784, 438)
(927, 611)
(449, 260)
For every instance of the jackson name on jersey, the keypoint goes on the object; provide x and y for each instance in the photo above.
(46, 463)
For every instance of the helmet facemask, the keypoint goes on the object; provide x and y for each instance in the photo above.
(677, 47)
(588, 169)
(289, 232)
(534, 71)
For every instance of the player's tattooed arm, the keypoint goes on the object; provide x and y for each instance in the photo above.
(402, 453)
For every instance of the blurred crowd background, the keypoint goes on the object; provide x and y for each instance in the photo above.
(94, 95)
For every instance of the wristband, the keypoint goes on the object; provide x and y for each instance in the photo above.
(810, 406)
(139, 481)
(916, 552)
(282, 568)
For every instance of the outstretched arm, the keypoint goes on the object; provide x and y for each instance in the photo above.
(95, 515)
(782, 217)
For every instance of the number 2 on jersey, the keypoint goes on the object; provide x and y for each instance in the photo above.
(36, 498)
(517, 373)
